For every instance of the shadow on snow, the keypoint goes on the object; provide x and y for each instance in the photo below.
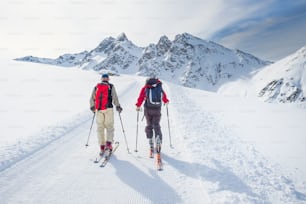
(226, 179)
(150, 186)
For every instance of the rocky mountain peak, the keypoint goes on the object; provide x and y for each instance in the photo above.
(122, 37)
(164, 44)
(164, 40)
(187, 38)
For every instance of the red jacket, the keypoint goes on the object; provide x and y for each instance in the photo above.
(142, 96)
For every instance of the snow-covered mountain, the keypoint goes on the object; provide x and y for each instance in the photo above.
(66, 60)
(115, 54)
(194, 62)
(284, 81)
(187, 60)
(197, 63)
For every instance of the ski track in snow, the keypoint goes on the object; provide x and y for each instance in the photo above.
(211, 166)
(29, 146)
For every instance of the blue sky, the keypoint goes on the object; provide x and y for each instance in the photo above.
(273, 32)
(269, 29)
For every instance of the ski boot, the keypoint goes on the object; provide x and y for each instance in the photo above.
(102, 150)
(108, 149)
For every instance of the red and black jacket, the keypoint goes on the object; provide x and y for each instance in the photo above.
(142, 95)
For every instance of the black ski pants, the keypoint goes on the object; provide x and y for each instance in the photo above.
(153, 117)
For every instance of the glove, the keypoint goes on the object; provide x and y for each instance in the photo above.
(119, 109)
(165, 104)
(93, 109)
(138, 108)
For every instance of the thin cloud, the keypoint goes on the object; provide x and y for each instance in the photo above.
(49, 28)
(273, 34)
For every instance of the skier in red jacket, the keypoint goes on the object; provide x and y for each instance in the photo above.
(153, 95)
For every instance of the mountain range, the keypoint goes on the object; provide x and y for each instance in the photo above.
(186, 60)
(189, 61)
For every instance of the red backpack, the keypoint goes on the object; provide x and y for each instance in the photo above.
(102, 95)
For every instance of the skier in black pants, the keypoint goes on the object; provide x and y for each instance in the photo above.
(153, 95)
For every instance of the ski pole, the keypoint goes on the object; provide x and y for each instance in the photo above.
(142, 117)
(127, 147)
(169, 126)
(93, 118)
(137, 131)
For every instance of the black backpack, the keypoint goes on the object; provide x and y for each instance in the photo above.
(154, 94)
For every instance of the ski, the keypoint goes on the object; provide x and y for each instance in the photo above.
(159, 166)
(107, 158)
(99, 158)
(151, 153)
(159, 163)
(158, 154)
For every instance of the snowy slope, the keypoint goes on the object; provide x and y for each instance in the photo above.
(35, 100)
(282, 82)
(187, 60)
(217, 155)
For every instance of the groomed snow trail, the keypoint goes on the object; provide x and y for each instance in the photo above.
(64, 172)
(208, 164)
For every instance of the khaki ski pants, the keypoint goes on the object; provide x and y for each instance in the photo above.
(105, 121)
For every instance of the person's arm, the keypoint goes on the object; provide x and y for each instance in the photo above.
(115, 96)
(164, 98)
(92, 99)
(141, 97)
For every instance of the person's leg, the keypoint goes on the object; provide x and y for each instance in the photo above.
(158, 135)
(149, 130)
(109, 125)
(149, 127)
(100, 129)
(156, 116)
